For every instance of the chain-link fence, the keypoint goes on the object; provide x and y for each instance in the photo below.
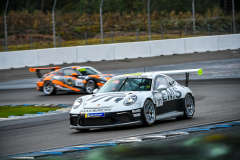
(34, 31)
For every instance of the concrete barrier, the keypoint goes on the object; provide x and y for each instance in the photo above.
(57, 56)
(201, 44)
(18, 59)
(42, 57)
(229, 41)
(95, 53)
(132, 50)
(167, 47)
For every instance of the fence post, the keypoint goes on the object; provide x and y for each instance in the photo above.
(234, 27)
(86, 38)
(101, 21)
(59, 40)
(186, 31)
(231, 28)
(209, 29)
(162, 32)
(5, 22)
(149, 27)
(137, 34)
(54, 39)
(193, 9)
(31, 43)
(112, 35)
(3, 44)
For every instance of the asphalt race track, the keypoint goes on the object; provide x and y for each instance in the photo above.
(216, 100)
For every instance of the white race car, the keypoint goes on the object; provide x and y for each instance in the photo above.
(132, 99)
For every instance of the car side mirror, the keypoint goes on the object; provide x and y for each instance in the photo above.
(74, 74)
(161, 88)
(95, 91)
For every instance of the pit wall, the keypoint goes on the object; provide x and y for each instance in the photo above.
(117, 51)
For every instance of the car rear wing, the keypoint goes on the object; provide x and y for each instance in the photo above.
(186, 71)
(37, 70)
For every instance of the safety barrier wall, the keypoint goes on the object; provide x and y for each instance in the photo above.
(18, 59)
(167, 47)
(95, 53)
(132, 50)
(229, 41)
(56, 56)
(201, 44)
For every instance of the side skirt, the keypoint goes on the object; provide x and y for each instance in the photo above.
(169, 115)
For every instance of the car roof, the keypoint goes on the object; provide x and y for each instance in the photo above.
(73, 67)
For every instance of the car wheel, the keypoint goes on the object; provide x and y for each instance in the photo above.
(149, 113)
(49, 88)
(90, 86)
(189, 108)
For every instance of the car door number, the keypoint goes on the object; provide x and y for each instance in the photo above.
(78, 82)
(159, 102)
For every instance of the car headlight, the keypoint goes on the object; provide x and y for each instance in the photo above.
(77, 103)
(130, 100)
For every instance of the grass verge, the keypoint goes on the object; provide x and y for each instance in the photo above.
(6, 111)
(92, 41)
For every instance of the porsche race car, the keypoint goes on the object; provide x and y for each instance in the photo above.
(70, 79)
(134, 99)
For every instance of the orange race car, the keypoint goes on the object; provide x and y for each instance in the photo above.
(70, 79)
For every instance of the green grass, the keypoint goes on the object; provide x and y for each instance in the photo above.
(92, 41)
(6, 111)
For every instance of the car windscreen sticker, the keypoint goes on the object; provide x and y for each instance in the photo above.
(89, 115)
(82, 69)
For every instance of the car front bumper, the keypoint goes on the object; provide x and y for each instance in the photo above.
(110, 119)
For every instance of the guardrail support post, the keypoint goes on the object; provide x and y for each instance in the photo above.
(86, 38)
(162, 32)
(112, 35)
(185, 30)
(31, 42)
(137, 34)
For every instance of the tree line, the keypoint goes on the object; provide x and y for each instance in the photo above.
(114, 6)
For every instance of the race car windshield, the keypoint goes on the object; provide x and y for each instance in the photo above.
(88, 71)
(127, 84)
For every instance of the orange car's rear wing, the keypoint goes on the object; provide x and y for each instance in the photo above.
(37, 70)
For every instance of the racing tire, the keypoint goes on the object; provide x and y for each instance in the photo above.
(49, 88)
(90, 86)
(189, 107)
(149, 113)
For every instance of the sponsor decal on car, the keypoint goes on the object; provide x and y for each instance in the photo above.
(96, 110)
(90, 115)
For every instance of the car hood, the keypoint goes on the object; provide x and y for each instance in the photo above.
(105, 100)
